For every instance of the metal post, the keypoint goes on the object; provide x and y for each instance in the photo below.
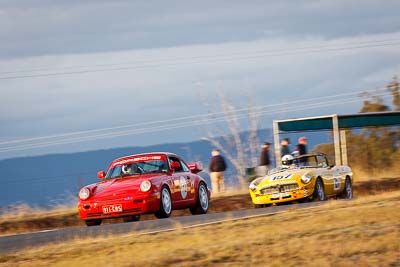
(275, 127)
(336, 139)
(343, 146)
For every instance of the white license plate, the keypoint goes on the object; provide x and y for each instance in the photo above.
(112, 208)
(285, 194)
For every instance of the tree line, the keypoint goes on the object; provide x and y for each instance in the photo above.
(373, 150)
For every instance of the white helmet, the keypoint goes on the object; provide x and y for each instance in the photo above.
(126, 169)
(287, 160)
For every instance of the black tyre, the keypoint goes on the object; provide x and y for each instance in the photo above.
(165, 205)
(93, 222)
(348, 189)
(202, 202)
(319, 192)
(131, 218)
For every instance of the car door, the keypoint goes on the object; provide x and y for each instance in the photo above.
(189, 177)
(331, 176)
(182, 183)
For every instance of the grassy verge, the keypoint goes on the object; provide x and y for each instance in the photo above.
(363, 232)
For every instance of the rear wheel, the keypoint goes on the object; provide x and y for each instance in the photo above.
(131, 218)
(348, 189)
(202, 201)
(319, 192)
(93, 222)
(165, 205)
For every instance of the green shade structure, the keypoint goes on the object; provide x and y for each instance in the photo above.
(336, 123)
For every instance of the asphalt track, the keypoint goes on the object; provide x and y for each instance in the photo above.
(14, 243)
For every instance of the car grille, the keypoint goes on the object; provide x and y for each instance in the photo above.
(279, 188)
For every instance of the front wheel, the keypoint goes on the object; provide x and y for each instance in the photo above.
(202, 201)
(165, 205)
(319, 192)
(93, 222)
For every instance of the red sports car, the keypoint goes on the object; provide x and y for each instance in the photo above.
(146, 183)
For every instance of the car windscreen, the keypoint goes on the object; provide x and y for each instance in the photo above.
(306, 161)
(137, 168)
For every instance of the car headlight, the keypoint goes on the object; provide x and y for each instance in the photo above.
(306, 178)
(253, 185)
(84, 193)
(145, 186)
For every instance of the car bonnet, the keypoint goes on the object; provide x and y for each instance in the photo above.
(286, 176)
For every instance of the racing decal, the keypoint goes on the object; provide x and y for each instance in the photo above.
(131, 160)
(280, 177)
(183, 187)
(305, 192)
(143, 158)
(336, 183)
(122, 162)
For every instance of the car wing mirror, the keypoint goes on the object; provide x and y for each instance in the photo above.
(195, 167)
(101, 174)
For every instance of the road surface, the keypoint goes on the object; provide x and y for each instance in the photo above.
(13, 243)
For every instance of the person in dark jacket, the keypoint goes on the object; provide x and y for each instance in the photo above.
(285, 147)
(302, 149)
(265, 161)
(217, 168)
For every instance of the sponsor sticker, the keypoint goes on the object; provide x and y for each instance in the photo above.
(336, 183)
(183, 187)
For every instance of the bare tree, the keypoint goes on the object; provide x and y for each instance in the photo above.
(254, 122)
(228, 139)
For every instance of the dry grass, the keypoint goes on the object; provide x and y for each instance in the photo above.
(363, 232)
(362, 174)
(18, 212)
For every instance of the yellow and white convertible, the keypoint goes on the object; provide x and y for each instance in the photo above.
(305, 177)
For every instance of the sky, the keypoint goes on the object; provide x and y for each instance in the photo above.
(86, 75)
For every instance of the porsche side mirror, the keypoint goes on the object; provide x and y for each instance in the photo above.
(101, 174)
(195, 167)
(175, 165)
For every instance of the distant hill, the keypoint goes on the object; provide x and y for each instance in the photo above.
(55, 179)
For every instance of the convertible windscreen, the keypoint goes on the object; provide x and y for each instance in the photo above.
(137, 168)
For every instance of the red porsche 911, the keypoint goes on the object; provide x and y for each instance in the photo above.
(146, 183)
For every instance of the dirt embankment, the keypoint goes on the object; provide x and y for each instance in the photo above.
(220, 204)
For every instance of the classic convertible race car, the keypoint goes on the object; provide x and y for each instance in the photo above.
(302, 178)
(146, 183)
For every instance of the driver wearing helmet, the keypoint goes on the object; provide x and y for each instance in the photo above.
(126, 169)
(287, 161)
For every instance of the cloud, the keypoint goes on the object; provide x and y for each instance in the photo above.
(161, 78)
(147, 64)
(70, 27)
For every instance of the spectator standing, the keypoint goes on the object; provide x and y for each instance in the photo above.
(285, 147)
(302, 149)
(217, 168)
(265, 161)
